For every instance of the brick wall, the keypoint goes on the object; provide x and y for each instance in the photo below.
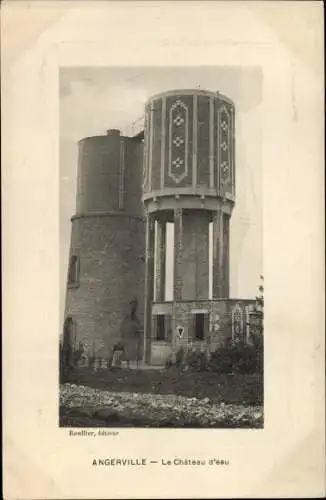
(219, 325)
(111, 274)
(108, 237)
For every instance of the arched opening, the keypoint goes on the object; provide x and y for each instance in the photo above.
(73, 275)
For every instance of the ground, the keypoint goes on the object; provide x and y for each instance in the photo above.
(161, 398)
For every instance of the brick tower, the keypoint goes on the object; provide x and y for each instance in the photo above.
(106, 262)
(188, 180)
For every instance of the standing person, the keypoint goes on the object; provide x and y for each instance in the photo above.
(118, 354)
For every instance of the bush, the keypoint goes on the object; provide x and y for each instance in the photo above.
(168, 362)
(196, 360)
(259, 348)
(222, 360)
(69, 357)
(238, 358)
(179, 357)
(233, 358)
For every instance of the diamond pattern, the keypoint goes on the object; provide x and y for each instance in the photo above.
(178, 141)
(225, 147)
(224, 125)
(177, 162)
(225, 170)
(225, 167)
(178, 120)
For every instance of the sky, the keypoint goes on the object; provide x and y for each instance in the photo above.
(93, 100)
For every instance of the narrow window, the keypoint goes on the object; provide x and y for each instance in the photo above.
(73, 276)
(160, 327)
(199, 326)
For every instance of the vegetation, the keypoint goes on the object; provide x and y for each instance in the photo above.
(218, 387)
(238, 358)
(194, 390)
(235, 357)
(69, 359)
(259, 306)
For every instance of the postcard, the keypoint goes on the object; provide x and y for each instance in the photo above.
(163, 250)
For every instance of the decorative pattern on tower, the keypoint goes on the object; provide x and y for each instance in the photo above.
(178, 141)
(225, 150)
(188, 182)
(224, 145)
(237, 323)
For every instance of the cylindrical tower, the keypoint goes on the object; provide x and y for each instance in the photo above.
(188, 179)
(106, 264)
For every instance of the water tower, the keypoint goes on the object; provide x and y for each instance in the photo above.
(188, 180)
(106, 261)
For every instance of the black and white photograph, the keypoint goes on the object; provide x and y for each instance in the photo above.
(163, 258)
(162, 282)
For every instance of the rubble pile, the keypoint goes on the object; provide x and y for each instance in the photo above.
(155, 410)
